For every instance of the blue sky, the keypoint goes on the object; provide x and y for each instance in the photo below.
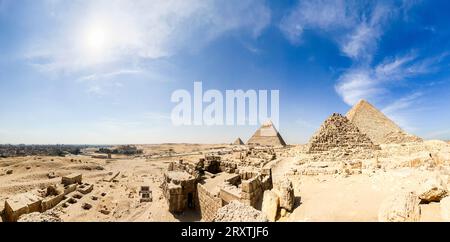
(103, 71)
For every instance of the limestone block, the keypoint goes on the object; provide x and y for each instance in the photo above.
(285, 191)
(21, 204)
(270, 205)
(70, 188)
(432, 190)
(2, 208)
(246, 186)
(111, 178)
(445, 209)
(71, 179)
(400, 207)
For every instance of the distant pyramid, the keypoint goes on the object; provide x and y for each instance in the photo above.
(238, 141)
(377, 126)
(267, 135)
(338, 132)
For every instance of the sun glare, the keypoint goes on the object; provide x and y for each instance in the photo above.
(96, 39)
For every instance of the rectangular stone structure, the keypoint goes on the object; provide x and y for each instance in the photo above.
(71, 179)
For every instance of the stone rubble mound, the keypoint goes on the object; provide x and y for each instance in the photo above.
(48, 216)
(338, 132)
(236, 211)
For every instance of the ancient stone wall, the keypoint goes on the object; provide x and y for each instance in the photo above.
(176, 188)
(228, 166)
(208, 203)
(253, 190)
(235, 180)
(50, 202)
(229, 193)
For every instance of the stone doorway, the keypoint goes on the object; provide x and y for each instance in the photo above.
(190, 200)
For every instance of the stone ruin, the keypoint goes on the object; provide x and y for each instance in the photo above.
(338, 147)
(279, 201)
(40, 201)
(236, 211)
(146, 194)
(179, 188)
(338, 132)
(399, 137)
(211, 183)
(256, 156)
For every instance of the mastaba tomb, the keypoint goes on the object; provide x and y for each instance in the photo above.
(267, 135)
(379, 128)
(211, 183)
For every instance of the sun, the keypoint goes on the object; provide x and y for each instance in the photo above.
(96, 39)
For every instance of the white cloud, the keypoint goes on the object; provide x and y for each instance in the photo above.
(322, 14)
(368, 82)
(400, 110)
(402, 103)
(91, 34)
(356, 26)
(102, 76)
(356, 84)
(362, 42)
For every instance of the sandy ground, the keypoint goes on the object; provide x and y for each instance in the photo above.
(354, 198)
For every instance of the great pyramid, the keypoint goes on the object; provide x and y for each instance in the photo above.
(338, 132)
(377, 126)
(267, 135)
(238, 141)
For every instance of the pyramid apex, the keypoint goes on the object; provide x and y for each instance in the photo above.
(362, 102)
(268, 123)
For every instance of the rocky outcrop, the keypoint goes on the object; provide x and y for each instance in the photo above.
(401, 207)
